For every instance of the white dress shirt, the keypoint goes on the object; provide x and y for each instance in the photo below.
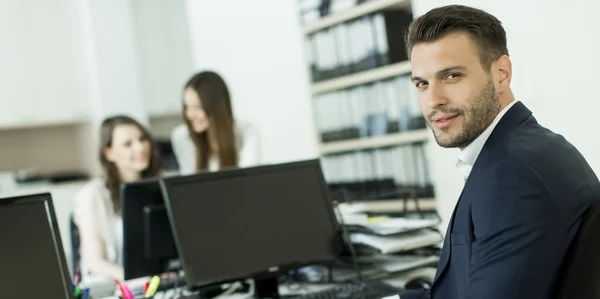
(247, 142)
(469, 154)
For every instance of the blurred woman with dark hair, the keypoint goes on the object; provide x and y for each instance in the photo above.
(127, 153)
(211, 139)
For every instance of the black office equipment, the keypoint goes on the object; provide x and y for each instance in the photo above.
(165, 150)
(581, 266)
(32, 260)
(148, 245)
(252, 223)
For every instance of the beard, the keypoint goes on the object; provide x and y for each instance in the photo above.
(479, 112)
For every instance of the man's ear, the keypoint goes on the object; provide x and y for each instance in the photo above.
(503, 67)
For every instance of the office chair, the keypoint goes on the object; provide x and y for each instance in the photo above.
(75, 245)
(579, 276)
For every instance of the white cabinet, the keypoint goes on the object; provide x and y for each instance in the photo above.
(15, 92)
(165, 58)
(42, 78)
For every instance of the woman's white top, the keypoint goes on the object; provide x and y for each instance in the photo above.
(247, 143)
(93, 206)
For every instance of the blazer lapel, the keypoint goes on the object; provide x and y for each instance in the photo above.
(446, 248)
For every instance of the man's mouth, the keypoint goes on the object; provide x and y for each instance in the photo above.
(442, 121)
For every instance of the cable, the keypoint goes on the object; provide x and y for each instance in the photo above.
(346, 237)
(413, 194)
(236, 285)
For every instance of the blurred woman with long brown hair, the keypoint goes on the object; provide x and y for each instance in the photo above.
(211, 139)
(127, 153)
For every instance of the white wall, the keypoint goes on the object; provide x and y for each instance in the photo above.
(164, 53)
(41, 63)
(554, 47)
(257, 46)
(112, 59)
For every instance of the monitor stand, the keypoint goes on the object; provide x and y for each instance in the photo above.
(267, 287)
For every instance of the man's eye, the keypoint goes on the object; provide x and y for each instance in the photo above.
(452, 76)
(420, 84)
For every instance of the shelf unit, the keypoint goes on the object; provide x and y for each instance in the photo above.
(375, 142)
(362, 78)
(396, 69)
(365, 8)
(385, 73)
(386, 173)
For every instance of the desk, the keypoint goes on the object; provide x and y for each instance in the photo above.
(398, 280)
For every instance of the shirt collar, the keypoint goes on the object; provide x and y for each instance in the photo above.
(470, 153)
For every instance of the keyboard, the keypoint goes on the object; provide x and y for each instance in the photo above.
(364, 290)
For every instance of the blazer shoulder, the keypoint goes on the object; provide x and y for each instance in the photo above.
(545, 152)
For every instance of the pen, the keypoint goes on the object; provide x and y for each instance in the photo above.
(146, 288)
(77, 291)
(129, 293)
(77, 276)
(125, 292)
(152, 287)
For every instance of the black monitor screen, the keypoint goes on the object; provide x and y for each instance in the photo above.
(32, 262)
(148, 245)
(237, 223)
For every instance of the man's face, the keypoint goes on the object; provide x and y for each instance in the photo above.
(457, 96)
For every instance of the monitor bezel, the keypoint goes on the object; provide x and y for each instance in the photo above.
(46, 199)
(167, 185)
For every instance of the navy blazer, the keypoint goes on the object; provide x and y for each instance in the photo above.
(518, 212)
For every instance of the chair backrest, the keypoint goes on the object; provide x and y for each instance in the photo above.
(75, 245)
(580, 272)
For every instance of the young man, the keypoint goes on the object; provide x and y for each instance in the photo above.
(526, 188)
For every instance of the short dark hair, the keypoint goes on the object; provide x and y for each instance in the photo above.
(483, 28)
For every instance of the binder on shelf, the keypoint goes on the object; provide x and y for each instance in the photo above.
(411, 117)
(380, 39)
(392, 106)
(356, 102)
(309, 10)
(358, 45)
(385, 173)
(376, 117)
(370, 110)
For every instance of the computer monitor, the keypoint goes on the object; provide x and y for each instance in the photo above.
(148, 245)
(252, 223)
(32, 260)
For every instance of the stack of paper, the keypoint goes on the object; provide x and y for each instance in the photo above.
(398, 243)
(353, 219)
(387, 206)
(399, 225)
(386, 225)
(409, 262)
